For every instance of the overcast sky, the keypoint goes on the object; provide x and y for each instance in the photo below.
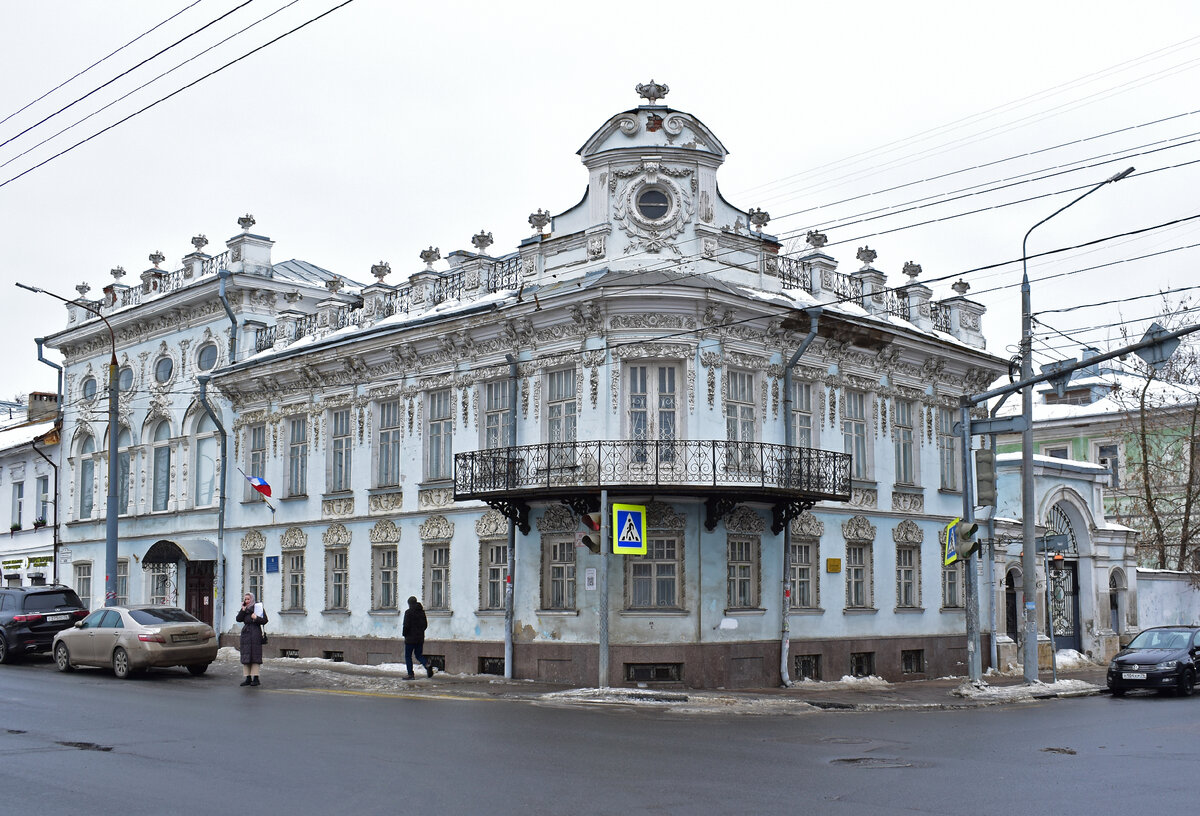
(386, 127)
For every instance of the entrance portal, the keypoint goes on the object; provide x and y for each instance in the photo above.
(198, 595)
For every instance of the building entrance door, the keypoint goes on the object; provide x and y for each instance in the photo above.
(198, 594)
(1064, 604)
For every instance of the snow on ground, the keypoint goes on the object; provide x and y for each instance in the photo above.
(1029, 691)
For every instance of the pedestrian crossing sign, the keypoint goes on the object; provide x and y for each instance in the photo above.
(629, 529)
(952, 542)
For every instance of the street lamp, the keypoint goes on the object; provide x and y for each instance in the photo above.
(1028, 555)
(110, 526)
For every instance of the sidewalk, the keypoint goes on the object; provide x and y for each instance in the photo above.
(866, 694)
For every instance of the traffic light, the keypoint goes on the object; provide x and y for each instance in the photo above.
(985, 478)
(591, 539)
(966, 544)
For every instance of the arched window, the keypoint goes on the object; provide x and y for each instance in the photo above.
(162, 466)
(123, 441)
(206, 462)
(1116, 601)
(87, 473)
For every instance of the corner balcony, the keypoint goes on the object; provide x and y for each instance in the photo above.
(724, 473)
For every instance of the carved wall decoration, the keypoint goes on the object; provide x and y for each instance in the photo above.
(648, 235)
(857, 528)
(491, 525)
(907, 532)
(807, 526)
(711, 360)
(254, 541)
(660, 516)
(593, 360)
(435, 498)
(436, 528)
(557, 519)
(652, 351)
(385, 531)
(908, 502)
(595, 247)
(336, 536)
(385, 502)
(293, 539)
(341, 507)
(744, 520)
(968, 320)
(864, 497)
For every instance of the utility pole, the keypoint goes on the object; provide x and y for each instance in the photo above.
(971, 583)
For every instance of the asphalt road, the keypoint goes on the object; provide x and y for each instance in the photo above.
(172, 743)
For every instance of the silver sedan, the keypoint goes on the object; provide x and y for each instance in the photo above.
(129, 639)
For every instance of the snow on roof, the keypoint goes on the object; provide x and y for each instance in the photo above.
(1039, 459)
(23, 434)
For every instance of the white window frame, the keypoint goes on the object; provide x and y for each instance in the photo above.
(87, 477)
(256, 459)
(206, 442)
(43, 499)
(854, 432)
(82, 576)
(952, 585)
(859, 575)
(741, 421)
(561, 419)
(297, 484)
(1113, 462)
(559, 588)
(254, 574)
(439, 460)
(742, 590)
(437, 576)
(387, 453)
(949, 451)
(18, 503)
(497, 414)
(663, 562)
(160, 489)
(652, 407)
(124, 456)
(906, 448)
(493, 573)
(385, 571)
(908, 576)
(341, 450)
(293, 580)
(122, 581)
(804, 430)
(337, 579)
(805, 572)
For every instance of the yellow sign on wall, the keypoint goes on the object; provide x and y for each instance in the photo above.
(833, 565)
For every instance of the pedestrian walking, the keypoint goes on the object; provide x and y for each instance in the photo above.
(413, 629)
(252, 616)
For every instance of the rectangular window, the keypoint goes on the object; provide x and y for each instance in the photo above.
(903, 429)
(808, 667)
(862, 664)
(1106, 456)
(803, 567)
(123, 506)
(441, 436)
(495, 575)
(854, 432)
(256, 458)
(293, 582)
(389, 443)
(952, 585)
(162, 476)
(340, 438)
(653, 578)
(912, 661)
(43, 498)
(498, 417)
(123, 582)
(739, 421)
(558, 583)
(1058, 453)
(949, 450)
(386, 574)
(907, 577)
(437, 576)
(252, 575)
(337, 562)
(858, 576)
(742, 578)
(161, 591)
(18, 503)
(298, 456)
(560, 414)
(87, 479)
(83, 584)
(802, 415)
(653, 411)
(206, 471)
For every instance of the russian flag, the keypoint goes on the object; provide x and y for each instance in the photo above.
(259, 484)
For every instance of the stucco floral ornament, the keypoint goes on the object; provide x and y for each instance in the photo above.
(652, 91)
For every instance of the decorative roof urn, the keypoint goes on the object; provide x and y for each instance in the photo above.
(199, 242)
(912, 270)
(381, 270)
(482, 240)
(867, 256)
(117, 272)
(246, 222)
(429, 256)
(759, 218)
(652, 91)
(815, 239)
(156, 258)
(539, 220)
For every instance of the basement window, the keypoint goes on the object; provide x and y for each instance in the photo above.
(807, 667)
(653, 672)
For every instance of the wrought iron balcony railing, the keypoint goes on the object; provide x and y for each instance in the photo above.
(749, 469)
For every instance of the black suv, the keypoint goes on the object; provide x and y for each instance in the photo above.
(31, 616)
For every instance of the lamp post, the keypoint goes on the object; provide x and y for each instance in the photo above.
(110, 521)
(1028, 555)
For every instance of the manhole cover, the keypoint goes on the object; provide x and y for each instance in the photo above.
(874, 762)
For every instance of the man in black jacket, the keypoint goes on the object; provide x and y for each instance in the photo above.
(413, 629)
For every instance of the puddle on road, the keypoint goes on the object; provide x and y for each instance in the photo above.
(878, 762)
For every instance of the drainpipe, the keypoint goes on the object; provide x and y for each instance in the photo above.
(814, 315)
(224, 275)
(219, 593)
(58, 417)
(36, 450)
(512, 528)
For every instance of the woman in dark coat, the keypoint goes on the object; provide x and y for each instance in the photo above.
(252, 616)
(413, 629)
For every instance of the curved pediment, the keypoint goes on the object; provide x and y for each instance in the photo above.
(653, 127)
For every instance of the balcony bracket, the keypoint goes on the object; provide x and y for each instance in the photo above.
(517, 511)
(783, 513)
(582, 504)
(717, 508)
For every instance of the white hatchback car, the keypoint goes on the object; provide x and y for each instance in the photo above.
(129, 639)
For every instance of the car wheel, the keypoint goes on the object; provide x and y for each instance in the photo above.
(4, 654)
(198, 668)
(1187, 684)
(62, 658)
(121, 667)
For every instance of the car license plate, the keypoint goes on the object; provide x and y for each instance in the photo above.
(1133, 675)
(186, 637)
(57, 618)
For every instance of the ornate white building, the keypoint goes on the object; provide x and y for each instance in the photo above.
(635, 343)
